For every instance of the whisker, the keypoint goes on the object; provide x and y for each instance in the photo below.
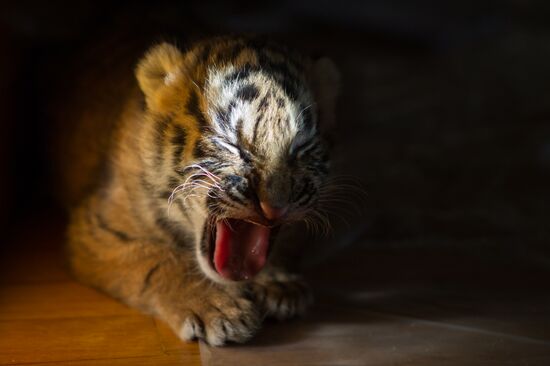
(201, 175)
(206, 171)
(303, 110)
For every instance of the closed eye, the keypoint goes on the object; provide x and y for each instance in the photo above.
(234, 149)
(227, 146)
(245, 155)
(301, 149)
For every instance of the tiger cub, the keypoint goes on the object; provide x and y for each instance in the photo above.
(212, 151)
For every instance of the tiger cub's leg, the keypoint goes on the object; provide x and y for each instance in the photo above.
(280, 294)
(199, 309)
(159, 279)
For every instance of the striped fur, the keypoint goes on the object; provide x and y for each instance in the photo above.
(225, 125)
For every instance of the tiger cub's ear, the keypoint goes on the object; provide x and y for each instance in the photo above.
(161, 66)
(325, 83)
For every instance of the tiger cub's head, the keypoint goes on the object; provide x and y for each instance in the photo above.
(243, 122)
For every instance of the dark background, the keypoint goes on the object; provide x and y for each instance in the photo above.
(444, 116)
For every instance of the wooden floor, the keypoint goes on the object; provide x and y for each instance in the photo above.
(47, 318)
(375, 306)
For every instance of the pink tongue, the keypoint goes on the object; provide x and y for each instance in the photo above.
(241, 249)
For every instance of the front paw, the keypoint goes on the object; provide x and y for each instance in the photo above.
(219, 318)
(281, 295)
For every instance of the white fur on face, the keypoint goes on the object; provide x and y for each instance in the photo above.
(271, 121)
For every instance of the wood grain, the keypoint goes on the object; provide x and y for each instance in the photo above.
(46, 301)
(69, 339)
(47, 318)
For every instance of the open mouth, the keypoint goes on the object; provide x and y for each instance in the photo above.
(238, 249)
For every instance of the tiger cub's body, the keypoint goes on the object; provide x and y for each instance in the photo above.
(180, 193)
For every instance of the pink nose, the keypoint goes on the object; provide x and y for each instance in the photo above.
(273, 213)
